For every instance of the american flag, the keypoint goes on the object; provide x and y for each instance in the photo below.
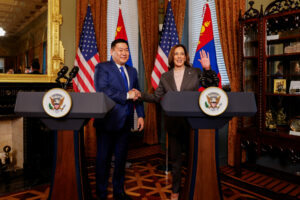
(168, 39)
(87, 56)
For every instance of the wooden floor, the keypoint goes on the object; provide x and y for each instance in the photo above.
(145, 182)
(264, 184)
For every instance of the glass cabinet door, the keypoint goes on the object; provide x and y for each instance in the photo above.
(282, 78)
(250, 56)
(250, 64)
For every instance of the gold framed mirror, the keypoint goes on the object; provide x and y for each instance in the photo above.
(55, 50)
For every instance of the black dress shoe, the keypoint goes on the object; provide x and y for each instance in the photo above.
(101, 198)
(122, 196)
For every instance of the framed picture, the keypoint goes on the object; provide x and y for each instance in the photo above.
(273, 67)
(295, 67)
(279, 86)
(294, 87)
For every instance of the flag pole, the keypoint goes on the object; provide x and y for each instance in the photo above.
(169, 26)
(167, 153)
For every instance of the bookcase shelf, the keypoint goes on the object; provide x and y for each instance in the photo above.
(268, 70)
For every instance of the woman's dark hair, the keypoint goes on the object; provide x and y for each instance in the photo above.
(172, 53)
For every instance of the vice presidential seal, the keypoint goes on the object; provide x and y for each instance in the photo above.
(213, 101)
(57, 102)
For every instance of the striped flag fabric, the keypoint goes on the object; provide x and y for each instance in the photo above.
(207, 43)
(168, 39)
(121, 34)
(87, 56)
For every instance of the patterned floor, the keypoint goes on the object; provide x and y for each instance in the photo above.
(37, 193)
(145, 182)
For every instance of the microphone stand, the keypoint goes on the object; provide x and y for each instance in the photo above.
(72, 75)
(62, 74)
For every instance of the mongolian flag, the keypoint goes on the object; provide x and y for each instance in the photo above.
(207, 43)
(121, 34)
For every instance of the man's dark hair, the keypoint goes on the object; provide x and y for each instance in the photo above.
(115, 42)
(35, 64)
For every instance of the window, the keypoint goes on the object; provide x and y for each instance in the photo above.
(130, 16)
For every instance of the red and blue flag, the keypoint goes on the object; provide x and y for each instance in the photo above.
(121, 34)
(207, 43)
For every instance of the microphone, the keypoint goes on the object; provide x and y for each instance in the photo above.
(72, 75)
(61, 74)
(73, 72)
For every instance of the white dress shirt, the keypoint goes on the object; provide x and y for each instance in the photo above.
(127, 77)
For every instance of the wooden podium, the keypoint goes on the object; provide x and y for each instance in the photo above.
(69, 178)
(203, 176)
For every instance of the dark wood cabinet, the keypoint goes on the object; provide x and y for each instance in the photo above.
(269, 60)
(37, 139)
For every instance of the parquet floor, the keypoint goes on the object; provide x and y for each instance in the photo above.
(274, 187)
(145, 182)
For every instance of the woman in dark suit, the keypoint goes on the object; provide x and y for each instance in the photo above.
(180, 77)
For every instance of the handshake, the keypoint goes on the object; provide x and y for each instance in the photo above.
(134, 94)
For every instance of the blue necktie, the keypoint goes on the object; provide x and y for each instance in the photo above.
(124, 78)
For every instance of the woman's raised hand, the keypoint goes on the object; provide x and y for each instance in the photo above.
(204, 59)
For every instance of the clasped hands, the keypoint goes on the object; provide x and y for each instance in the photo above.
(134, 94)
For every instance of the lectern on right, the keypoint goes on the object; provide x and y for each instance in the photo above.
(203, 177)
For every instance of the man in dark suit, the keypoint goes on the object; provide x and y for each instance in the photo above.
(35, 66)
(116, 80)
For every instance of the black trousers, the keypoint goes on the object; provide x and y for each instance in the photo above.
(178, 132)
